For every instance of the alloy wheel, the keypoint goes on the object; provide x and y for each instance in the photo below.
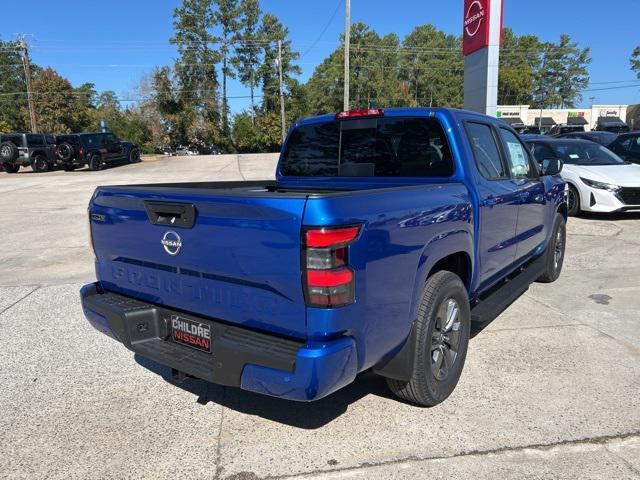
(558, 252)
(445, 339)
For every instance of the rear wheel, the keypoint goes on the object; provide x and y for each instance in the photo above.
(573, 201)
(95, 162)
(11, 168)
(442, 336)
(39, 164)
(554, 254)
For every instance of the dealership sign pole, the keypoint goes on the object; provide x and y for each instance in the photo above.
(482, 36)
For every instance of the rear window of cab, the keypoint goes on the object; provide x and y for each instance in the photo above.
(369, 147)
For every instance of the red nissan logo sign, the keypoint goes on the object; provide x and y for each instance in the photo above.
(476, 24)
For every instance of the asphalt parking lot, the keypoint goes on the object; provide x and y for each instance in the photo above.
(551, 388)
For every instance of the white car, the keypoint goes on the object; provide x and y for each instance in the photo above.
(599, 180)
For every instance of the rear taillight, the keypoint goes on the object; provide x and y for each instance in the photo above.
(81, 152)
(328, 278)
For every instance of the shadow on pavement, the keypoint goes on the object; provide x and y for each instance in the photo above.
(610, 216)
(307, 416)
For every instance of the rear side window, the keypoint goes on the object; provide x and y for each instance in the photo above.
(71, 139)
(15, 139)
(631, 144)
(380, 147)
(93, 140)
(35, 140)
(541, 151)
(485, 151)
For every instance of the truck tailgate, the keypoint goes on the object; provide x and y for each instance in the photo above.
(239, 262)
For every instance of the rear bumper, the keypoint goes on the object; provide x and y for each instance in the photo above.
(251, 360)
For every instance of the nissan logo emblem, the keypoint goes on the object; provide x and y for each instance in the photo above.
(473, 19)
(171, 242)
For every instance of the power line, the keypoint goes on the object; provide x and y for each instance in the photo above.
(324, 30)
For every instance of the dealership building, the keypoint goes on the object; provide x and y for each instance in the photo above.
(520, 116)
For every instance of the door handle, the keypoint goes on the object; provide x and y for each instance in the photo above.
(489, 201)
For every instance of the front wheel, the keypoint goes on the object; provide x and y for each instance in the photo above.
(573, 201)
(39, 164)
(95, 162)
(442, 337)
(554, 254)
(134, 156)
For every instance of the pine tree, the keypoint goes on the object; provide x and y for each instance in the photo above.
(271, 30)
(196, 76)
(519, 60)
(635, 61)
(562, 75)
(248, 51)
(12, 81)
(228, 18)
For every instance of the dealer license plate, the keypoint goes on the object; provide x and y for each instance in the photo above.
(191, 333)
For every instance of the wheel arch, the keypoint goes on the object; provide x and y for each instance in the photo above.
(453, 255)
(35, 153)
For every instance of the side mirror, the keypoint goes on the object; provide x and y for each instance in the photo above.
(551, 166)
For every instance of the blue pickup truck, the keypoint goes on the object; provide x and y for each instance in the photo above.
(384, 236)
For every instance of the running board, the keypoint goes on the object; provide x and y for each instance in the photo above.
(487, 309)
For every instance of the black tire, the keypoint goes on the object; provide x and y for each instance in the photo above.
(65, 151)
(11, 168)
(39, 163)
(554, 254)
(8, 152)
(134, 155)
(573, 201)
(431, 382)
(95, 162)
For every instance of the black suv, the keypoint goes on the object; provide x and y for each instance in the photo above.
(627, 146)
(95, 150)
(24, 149)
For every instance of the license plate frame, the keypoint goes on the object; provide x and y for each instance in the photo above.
(191, 333)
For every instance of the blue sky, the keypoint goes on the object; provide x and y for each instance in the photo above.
(114, 44)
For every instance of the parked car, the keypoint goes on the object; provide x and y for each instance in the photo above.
(532, 136)
(27, 149)
(384, 235)
(209, 150)
(603, 138)
(599, 180)
(187, 150)
(564, 128)
(530, 130)
(165, 150)
(627, 146)
(96, 150)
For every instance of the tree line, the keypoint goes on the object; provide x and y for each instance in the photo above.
(187, 102)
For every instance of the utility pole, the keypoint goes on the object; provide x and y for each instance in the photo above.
(347, 41)
(282, 115)
(27, 74)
